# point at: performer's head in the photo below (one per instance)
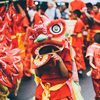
(97, 38)
(89, 7)
(42, 9)
(76, 14)
(96, 8)
(51, 4)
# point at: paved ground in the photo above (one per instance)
(27, 88)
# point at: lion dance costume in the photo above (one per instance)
(51, 86)
(10, 62)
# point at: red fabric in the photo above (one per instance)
(78, 41)
(94, 50)
(79, 59)
(96, 26)
(96, 85)
(38, 18)
(30, 3)
(19, 27)
(50, 73)
(77, 5)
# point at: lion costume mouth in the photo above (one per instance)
(47, 48)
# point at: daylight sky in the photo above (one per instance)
(93, 1)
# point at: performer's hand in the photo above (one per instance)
(95, 68)
(56, 56)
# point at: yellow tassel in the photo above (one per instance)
(37, 80)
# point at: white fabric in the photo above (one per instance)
(31, 13)
(58, 13)
(51, 13)
(67, 13)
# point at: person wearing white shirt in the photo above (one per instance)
(66, 13)
(32, 12)
(51, 12)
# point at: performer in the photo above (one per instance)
(77, 41)
(77, 4)
(53, 68)
(53, 62)
(93, 53)
(96, 26)
(88, 24)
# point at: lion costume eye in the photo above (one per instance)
(56, 27)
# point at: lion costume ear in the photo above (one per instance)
(56, 27)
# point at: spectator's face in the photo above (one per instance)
(89, 9)
(34, 7)
(95, 9)
(49, 5)
(60, 9)
(64, 7)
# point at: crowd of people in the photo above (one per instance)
(22, 22)
(86, 32)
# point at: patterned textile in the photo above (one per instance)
(96, 85)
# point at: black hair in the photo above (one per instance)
(89, 5)
(97, 38)
(97, 5)
(43, 7)
(77, 12)
(67, 4)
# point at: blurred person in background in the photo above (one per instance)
(32, 12)
(52, 12)
(66, 14)
(96, 26)
(77, 41)
(88, 24)
(77, 4)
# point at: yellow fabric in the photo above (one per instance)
(88, 36)
(79, 35)
(95, 31)
(20, 42)
(47, 89)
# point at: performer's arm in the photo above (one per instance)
(25, 40)
(21, 11)
(63, 69)
(90, 62)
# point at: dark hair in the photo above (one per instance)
(89, 5)
(77, 12)
(97, 5)
(67, 4)
(97, 38)
(43, 7)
